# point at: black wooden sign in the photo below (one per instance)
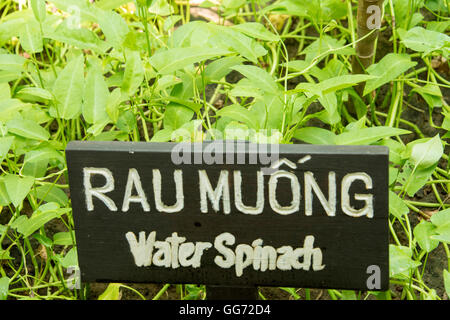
(231, 213)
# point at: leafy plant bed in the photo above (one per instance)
(266, 71)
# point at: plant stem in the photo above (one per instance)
(161, 292)
(369, 19)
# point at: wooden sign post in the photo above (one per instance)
(231, 214)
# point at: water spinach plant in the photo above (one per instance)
(323, 72)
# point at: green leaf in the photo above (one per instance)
(5, 145)
(4, 288)
(97, 128)
(7, 76)
(429, 89)
(38, 7)
(427, 154)
(389, 68)
(11, 28)
(225, 37)
(423, 40)
(446, 276)
(232, 4)
(163, 135)
(268, 112)
(36, 169)
(395, 150)
(325, 90)
(9, 108)
(266, 137)
(432, 94)
(51, 193)
(442, 222)
(43, 153)
(259, 77)
(329, 101)
(160, 7)
(397, 207)
(246, 88)
(191, 105)
(166, 82)
(333, 84)
(64, 238)
(31, 37)
(356, 125)
(33, 94)
(194, 292)
(96, 96)
(111, 4)
(325, 46)
(81, 38)
(77, 9)
(184, 35)
(219, 68)
(422, 233)
(343, 82)
(186, 89)
(18, 221)
(12, 62)
(171, 21)
(113, 27)
(45, 241)
(168, 61)
(115, 98)
(441, 218)
(112, 292)
(393, 173)
(176, 116)
(70, 259)
(256, 30)
(235, 131)
(188, 132)
(37, 114)
(27, 129)
(367, 136)
(348, 295)
(134, 72)
(239, 113)
(5, 91)
(439, 26)
(4, 255)
(314, 135)
(36, 161)
(126, 121)
(400, 262)
(299, 66)
(68, 89)
(110, 136)
(40, 217)
(412, 178)
(17, 187)
(4, 197)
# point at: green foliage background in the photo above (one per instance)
(273, 71)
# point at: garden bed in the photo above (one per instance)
(160, 70)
